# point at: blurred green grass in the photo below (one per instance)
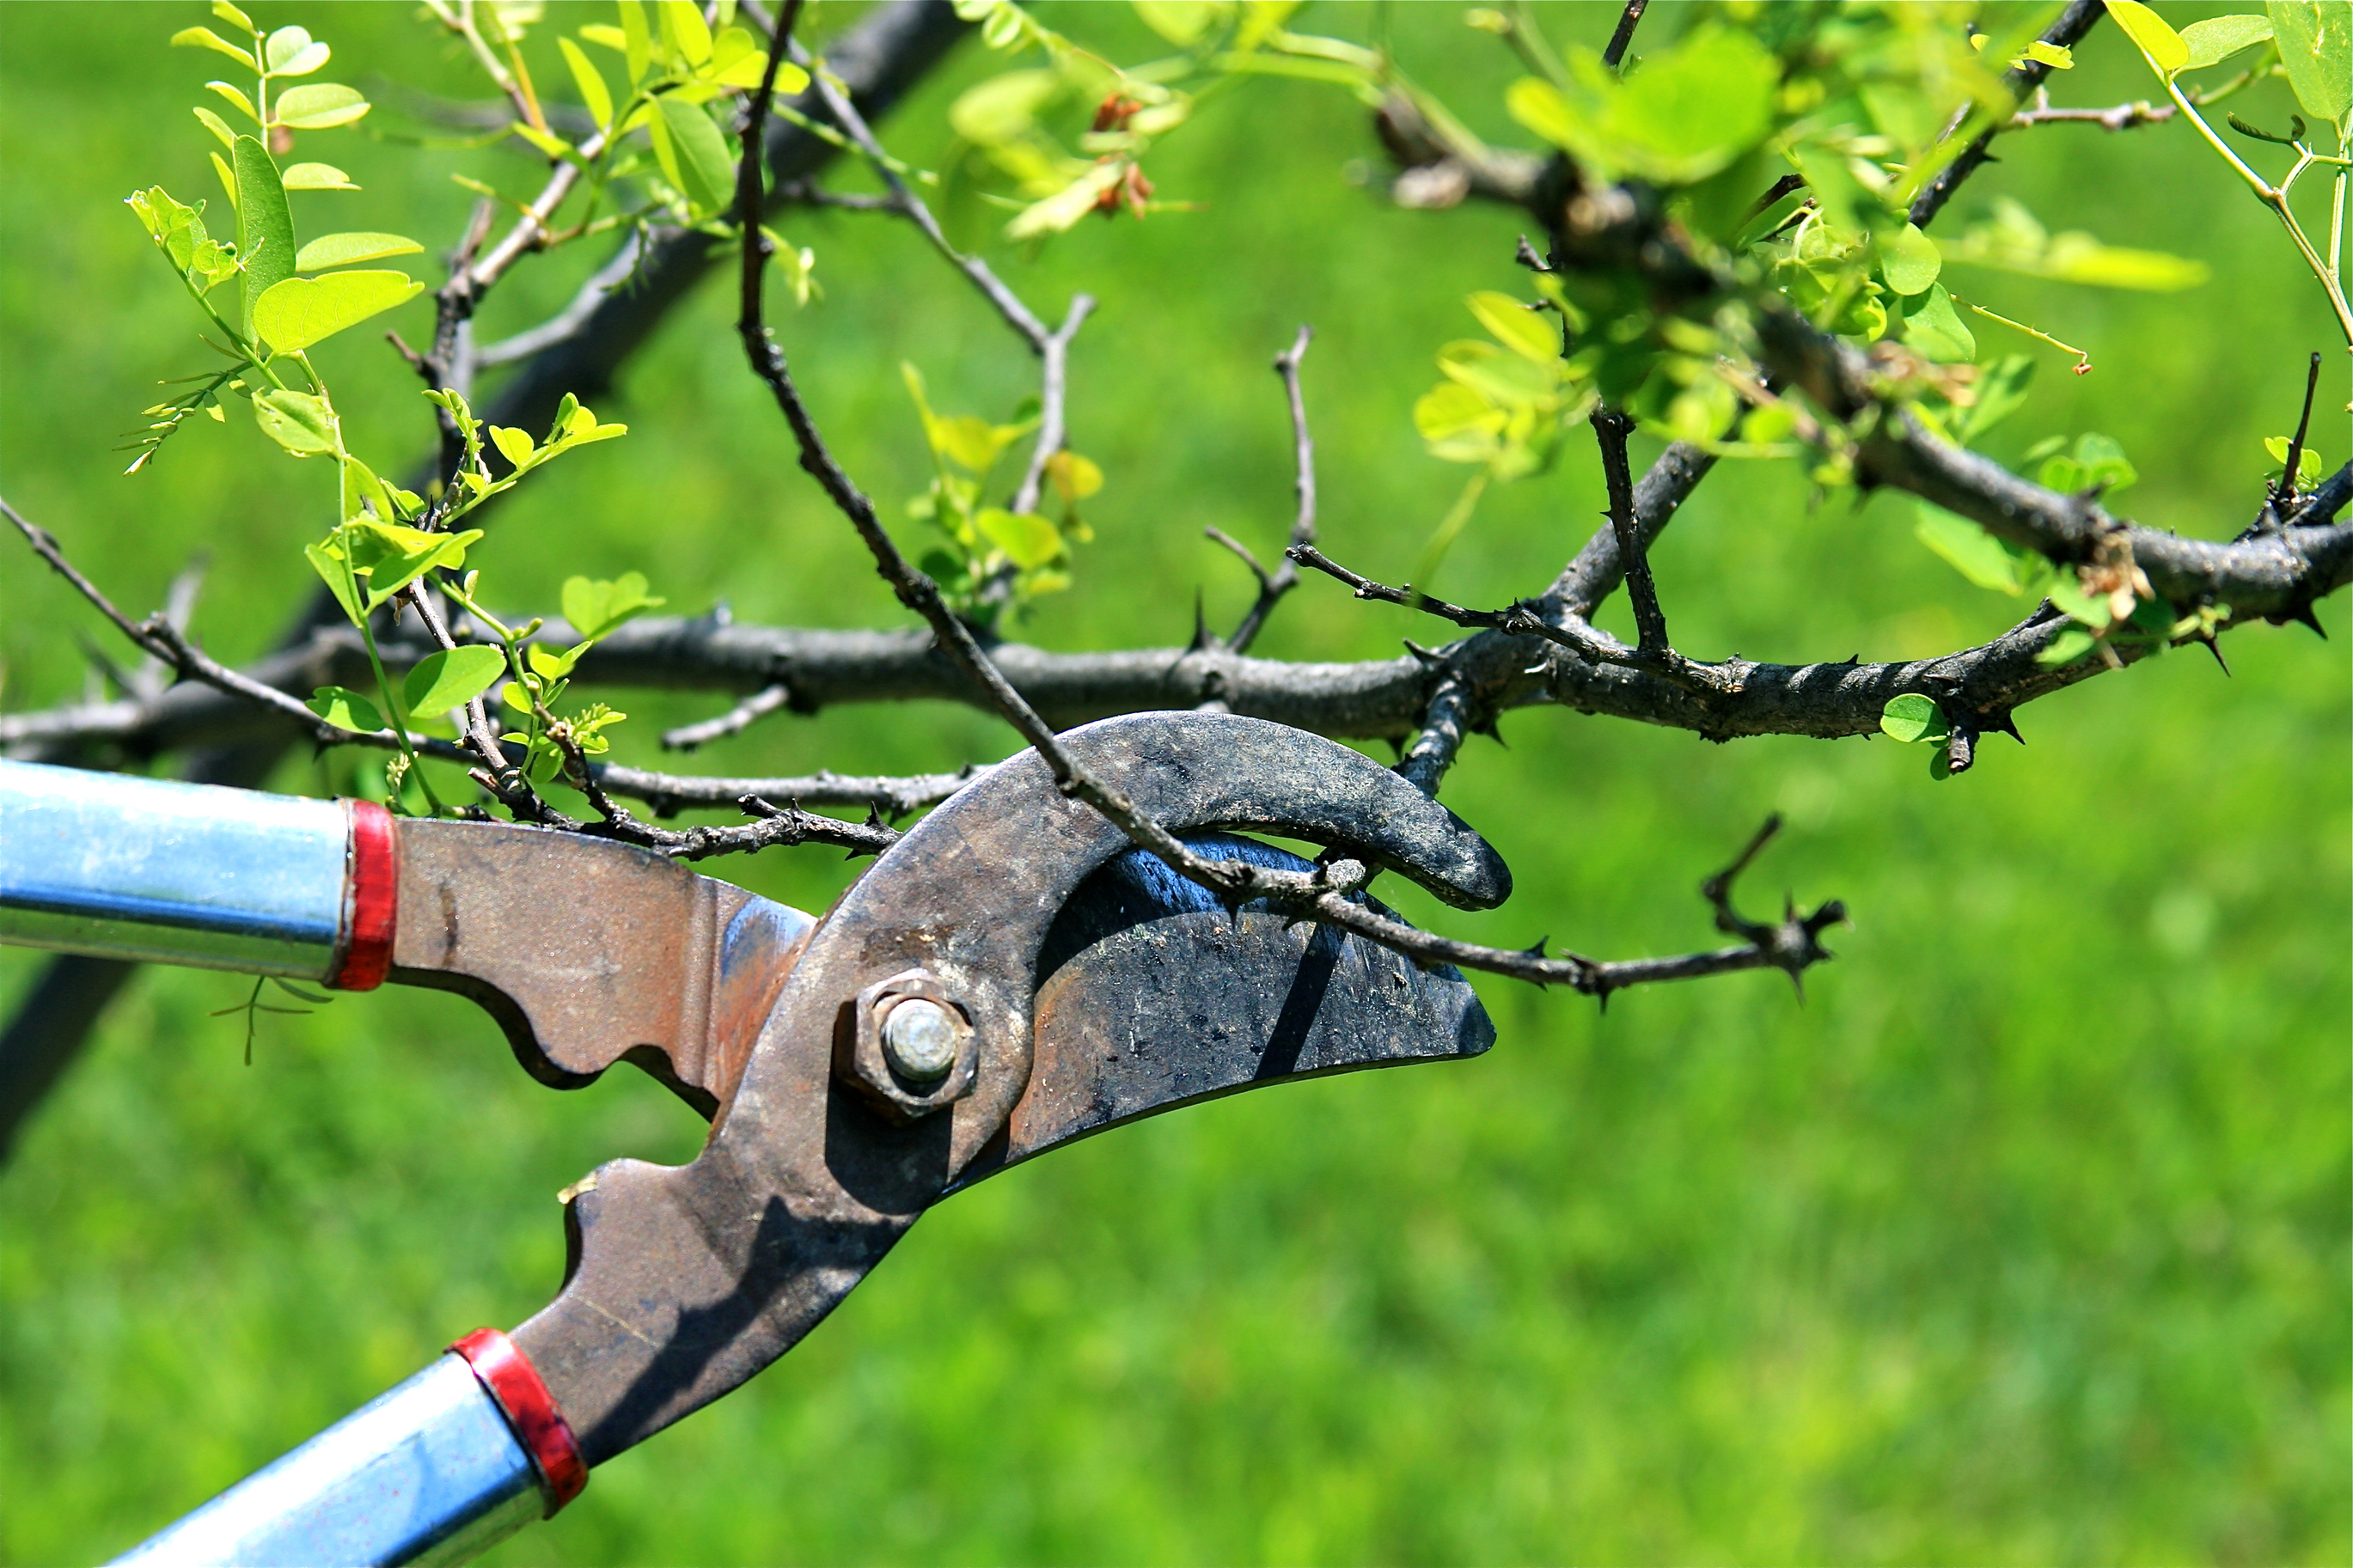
(2023, 1240)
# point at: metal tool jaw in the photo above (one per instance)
(1008, 977)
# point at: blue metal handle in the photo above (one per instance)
(427, 1473)
(174, 873)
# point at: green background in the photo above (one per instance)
(2022, 1240)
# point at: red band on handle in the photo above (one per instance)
(531, 1411)
(370, 897)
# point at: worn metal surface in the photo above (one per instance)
(588, 951)
(426, 1473)
(1152, 995)
(686, 1280)
(178, 873)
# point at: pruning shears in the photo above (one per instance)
(1007, 977)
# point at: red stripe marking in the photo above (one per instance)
(370, 897)
(531, 1411)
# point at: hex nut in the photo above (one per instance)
(907, 1046)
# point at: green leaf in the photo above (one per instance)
(1908, 259)
(205, 39)
(634, 44)
(327, 559)
(2315, 44)
(392, 555)
(2101, 460)
(706, 175)
(297, 421)
(1180, 21)
(2307, 461)
(345, 708)
(513, 444)
(290, 51)
(343, 249)
(451, 678)
(2066, 648)
(1451, 408)
(1516, 327)
(265, 228)
(1688, 112)
(301, 312)
(549, 145)
(2001, 392)
(997, 110)
(319, 105)
(1062, 210)
(2058, 57)
(1935, 330)
(215, 124)
(1971, 551)
(1502, 378)
(682, 25)
(589, 80)
(1027, 539)
(237, 99)
(317, 177)
(234, 18)
(362, 490)
(595, 606)
(2153, 36)
(2217, 38)
(1913, 717)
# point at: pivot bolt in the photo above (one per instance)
(920, 1040)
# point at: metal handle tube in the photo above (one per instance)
(446, 1466)
(179, 873)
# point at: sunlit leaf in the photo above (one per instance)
(292, 52)
(2217, 38)
(706, 173)
(319, 105)
(451, 678)
(1913, 717)
(295, 420)
(2152, 34)
(1027, 539)
(300, 311)
(343, 249)
(205, 39)
(1908, 259)
(317, 177)
(1516, 326)
(2316, 45)
(346, 710)
(591, 83)
(997, 110)
(595, 606)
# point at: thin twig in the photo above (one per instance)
(1615, 55)
(1271, 589)
(734, 722)
(1053, 394)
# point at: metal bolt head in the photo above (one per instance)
(920, 1040)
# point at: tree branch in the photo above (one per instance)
(2077, 20)
(1271, 588)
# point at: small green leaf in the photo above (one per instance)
(1934, 329)
(1914, 717)
(2316, 45)
(1027, 539)
(345, 708)
(682, 25)
(235, 99)
(1003, 107)
(234, 18)
(1940, 763)
(2065, 648)
(319, 105)
(265, 228)
(392, 555)
(2058, 57)
(317, 177)
(2101, 460)
(595, 606)
(290, 51)
(1908, 259)
(550, 144)
(636, 46)
(706, 175)
(1178, 21)
(2307, 461)
(1969, 550)
(301, 312)
(343, 249)
(1524, 332)
(215, 124)
(513, 444)
(295, 420)
(2217, 38)
(589, 80)
(327, 559)
(205, 39)
(2153, 34)
(451, 678)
